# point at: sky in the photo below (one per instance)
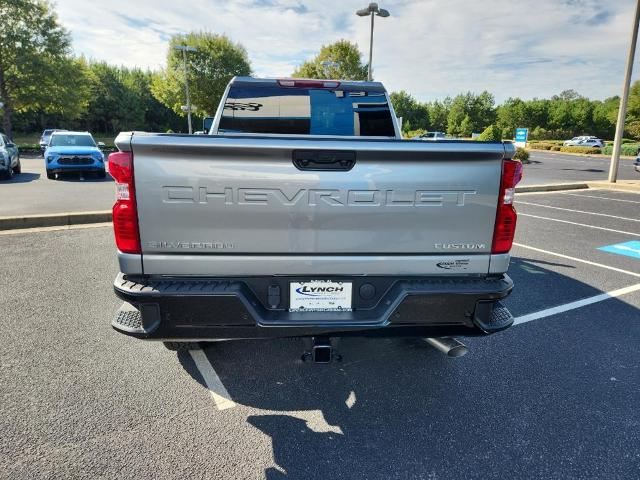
(430, 48)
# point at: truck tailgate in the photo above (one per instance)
(237, 195)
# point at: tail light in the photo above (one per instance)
(125, 213)
(506, 216)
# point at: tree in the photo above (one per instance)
(491, 134)
(343, 61)
(210, 69)
(34, 59)
(633, 128)
(438, 114)
(414, 114)
(633, 104)
(470, 113)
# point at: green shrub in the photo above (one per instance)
(491, 134)
(556, 148)
(522, 155)
(627, 149)
(585, 150)
(541, 145)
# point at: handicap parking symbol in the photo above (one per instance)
(630, 249)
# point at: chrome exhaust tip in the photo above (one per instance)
(451, 347)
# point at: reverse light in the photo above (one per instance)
(125, 212)
(506, 216)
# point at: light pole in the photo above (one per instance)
(184, 49)
(622, 111)
(372, 10)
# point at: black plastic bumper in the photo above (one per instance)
(78, 169)
(198, 309)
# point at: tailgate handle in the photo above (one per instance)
(324, 160)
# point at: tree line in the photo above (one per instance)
(42, 84)
(562, 116)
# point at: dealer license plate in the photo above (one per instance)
(319, 295)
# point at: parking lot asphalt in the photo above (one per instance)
(555, 396)
(31, 192)
(548, 168)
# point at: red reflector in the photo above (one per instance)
(125, 213)
(506, 216)
(308, 83)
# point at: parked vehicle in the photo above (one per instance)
(637, 162)
(304, 214)
(590, 142)
(576, 140)
(432, 136)
(74, 152)
(9, 158)
(46, 136)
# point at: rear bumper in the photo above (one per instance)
(200, 309)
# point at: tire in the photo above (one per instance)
(182, 346)
(102, 174)
(51, 175)
(18, 168)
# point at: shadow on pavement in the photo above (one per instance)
(24, 177)
(88, 177)
(537, 400)
(589, 170)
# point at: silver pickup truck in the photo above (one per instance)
(304, 214)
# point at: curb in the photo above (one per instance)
(620, 186)
(586, 155)
(54, 220)
(552, 187)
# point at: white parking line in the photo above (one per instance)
(601, 198)
(579, 211)
(580, 224)
(547, 312)
(588, 262)
(219, 393)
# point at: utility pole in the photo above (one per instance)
(371, 11)
(184, 49)
(622, 112)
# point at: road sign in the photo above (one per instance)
(522, 134)
(630, 249)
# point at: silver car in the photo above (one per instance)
(9, 158)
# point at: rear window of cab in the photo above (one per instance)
(306, 111)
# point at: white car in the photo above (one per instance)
(590, 142)
(432, 136)
(576, 140)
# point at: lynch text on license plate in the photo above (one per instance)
(319, 295)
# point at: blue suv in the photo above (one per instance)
(73, 152)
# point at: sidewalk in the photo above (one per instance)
(620, 185)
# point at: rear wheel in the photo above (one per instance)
(182, 346)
